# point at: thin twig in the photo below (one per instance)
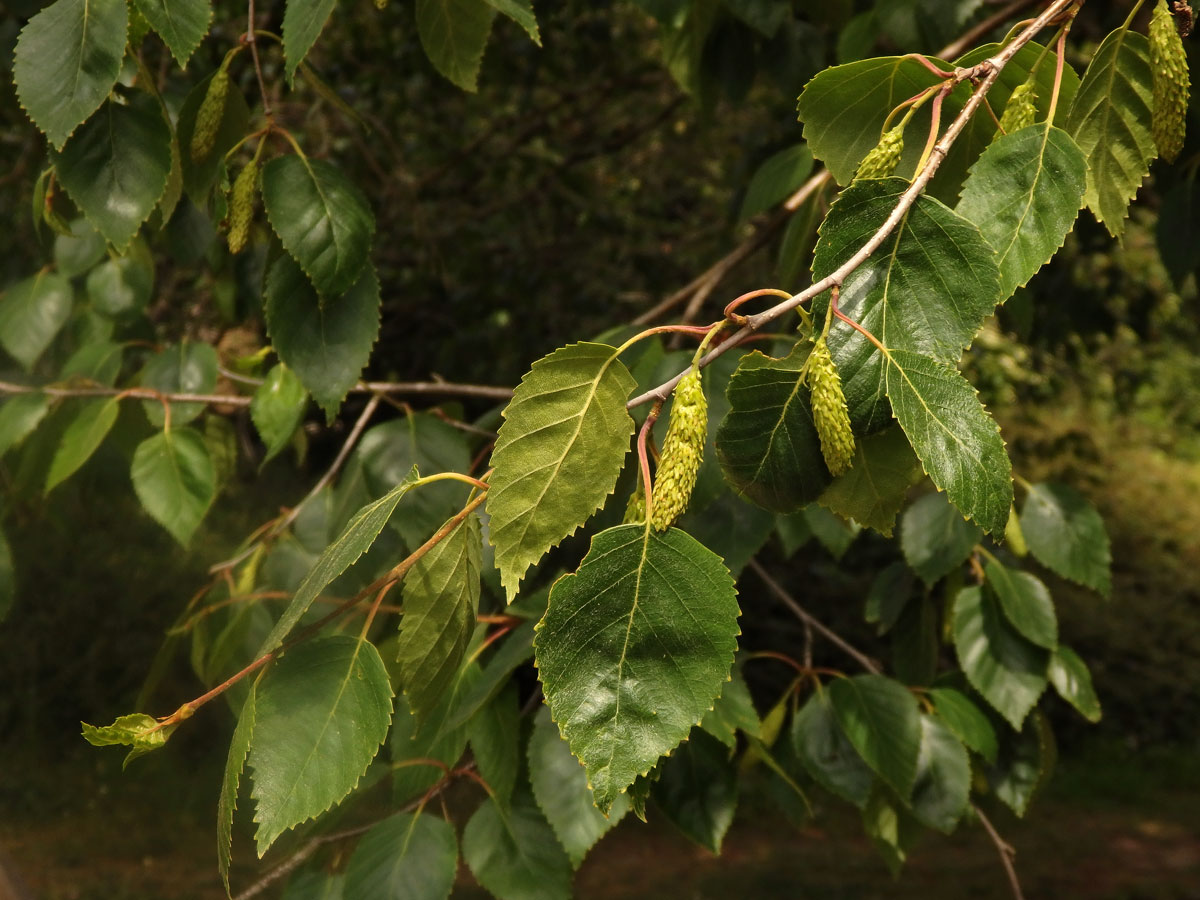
(133, 393)
(253, 42)
(812, 621)
(1006, 853)
(986, 73)
(968, 38)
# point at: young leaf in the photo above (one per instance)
(1026, 604)
(514, 855)
(827, 753)
(137, 730)
(733, 712)
(1006, 669)
(277, 408)
(116, 166)
(882, 720)
(892, 828)
(776, 179)
(328, 343)
(66, 61)
(32, 312)
(87, 430)
(935, 538)
(321, 713)
(1066, 535)
(697, 789)
(1025, 763)
(188, 367)
(322, 219)
(956, 440)
(1070, 676)
(558, 455)
(356, 538)
(20, 414)
(943, 784)
(494, 735)
(926, 290)
(560, 787)
(768, 444)
(875, 488)
(174, 478)
(1024, 193)
(441, 599)
(1110, 121)
(454, 34)
(966, 720)
(182, 24)
(521, 12)
(408, 856)
(239, 746)
(634, 648)
(303, 21)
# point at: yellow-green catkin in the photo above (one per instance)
(1014, 537)
(241, 206)
(635, 509)
(1168, 60)
(884, 156)
(829, 409)
(682, 452)
(208, 117)
(1020, 110)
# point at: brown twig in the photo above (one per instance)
(7, 387)
(251, 40)
(1006, 853)
(968, 38)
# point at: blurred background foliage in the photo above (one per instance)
(582, 183)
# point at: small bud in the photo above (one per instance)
(1021, 108)
(682, 453)
(241, 207)
(208, 117)
(829, 409)
(635, 509)
(881, 162)
(1168, 61)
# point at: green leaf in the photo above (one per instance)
(99, 361)
(832, 532)
(558, 455)
(137, 731)
(315, 883)
(322, 219)
(966, 720)
(174, 479)
(731, 528)
(891, 828)
(182, 24)
(881, 718)
(199, 177)
(514, 855)
(928, 289)
(1006, 669)
(189, 367)
(916, 643)
(454, 34)
(697, 789)
(521, 12)
(277, 408)
(634, 648)
(888, 596)
(560, 786)
(32, 312)
(733, 712)
(943, 784)
(827, 753)
(303, 22)
(326, 343)
(239, 746)
(77, 252)
(512, 652)
(935, 538)
(1024, 193)
(20, 414)
(122, 287)
(764, 16)
(66, 61)
(408, 856)
(439, 739)
(321, 713)
(1110, 121)
(1026, 604)
(777, 178)
(81, 439)
(495, 740)
(767, 444)
(1070, 676)
(115, 167)
(956, 440)
(441, 600)
(873, 490)
(1066, 535)
(356, 538)
(1025, 763)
